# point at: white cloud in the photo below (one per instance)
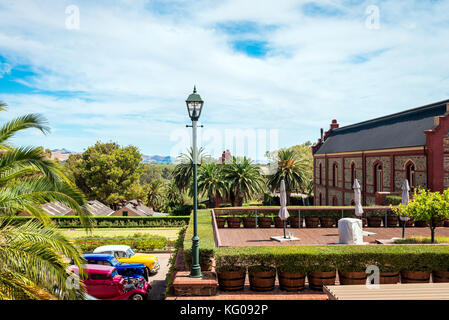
(130, 69)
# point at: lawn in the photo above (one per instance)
(170, 233)
(421, 240)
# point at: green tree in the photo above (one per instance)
(243, 178)
(183, 172)
(33, 256)
(431, 207)
(174, 195)
(211, 182)
(155, 196)
(291, 169)
(107, 171)
(151, 172)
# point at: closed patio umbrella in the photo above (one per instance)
(405, 199)
(357, 198)
(283, 213)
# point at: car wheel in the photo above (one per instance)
(137, 296)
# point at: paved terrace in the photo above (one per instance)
(239, 237)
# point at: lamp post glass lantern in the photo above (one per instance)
(194, 106)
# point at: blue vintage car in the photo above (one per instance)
(127, 270)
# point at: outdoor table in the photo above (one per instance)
(401, 291)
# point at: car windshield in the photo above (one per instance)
(114, 261)
(130, 252)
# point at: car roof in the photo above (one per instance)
(93, 268)
(112, 248)
(98, 256)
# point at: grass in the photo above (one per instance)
(421, 240)
(170, 233)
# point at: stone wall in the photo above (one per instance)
(358, 171)
(386, 166)
(339, 162)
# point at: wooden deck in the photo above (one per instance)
(409, 291)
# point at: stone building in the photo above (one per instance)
(381, 153)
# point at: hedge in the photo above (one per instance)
(114, 221)
(316, 258)
(309, 211)
(137, 241)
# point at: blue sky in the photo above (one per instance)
(287, 67)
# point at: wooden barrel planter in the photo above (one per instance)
(348, 278)
(440, 276)
(234, 222)
(249, 222)
(291, 281)
(415, 276)
(388, 277)
(294, 222)
(232, 280)
(264, 222)
(262, 280)
(312, 222)
(328, 222)
(392, 221)
(220, 222)
(374, 222)
(421, 224)
(278, 223)
(319, 278)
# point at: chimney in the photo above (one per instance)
(321, 134)
(139, 202)
(334, 124)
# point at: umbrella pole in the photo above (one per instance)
(284, 231)
(403, 229)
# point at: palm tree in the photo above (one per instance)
(33, 255)
(243, 178)
(173, 193)
(291, 169)
(183, 172)
(155, 194)
(211, 182)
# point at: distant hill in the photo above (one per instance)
(63, 154)
(158, 159)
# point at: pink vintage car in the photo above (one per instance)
(103, 282)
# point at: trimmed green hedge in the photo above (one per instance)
(113, 222)
(137, 241)
(316, 258)
(348, 212)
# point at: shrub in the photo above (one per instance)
(225, 205)
(137, 241)
(183, 210)
(393, 200)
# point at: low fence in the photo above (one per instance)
(305, 212)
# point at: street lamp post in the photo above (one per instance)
(194, 106)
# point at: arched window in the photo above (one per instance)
(410, 174)
(334, 174)
(335, 201)
(320, 173)
(353, 173)
(378, 177)
(320, 200)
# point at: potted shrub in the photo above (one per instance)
(291, 277)
(415, 276)
(249, 221)
(233, 222)
(427, 207)
(352, 271)
(231, 277)
(328, 222)
(264, 222)
(325, 276)
(279, 223)
(375, 219)
(261, 278)
(206, 263)
(220, 222)
(312, 220)
(392, 219)
(294, 222)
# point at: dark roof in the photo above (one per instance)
(99, 209)
(398, 130)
